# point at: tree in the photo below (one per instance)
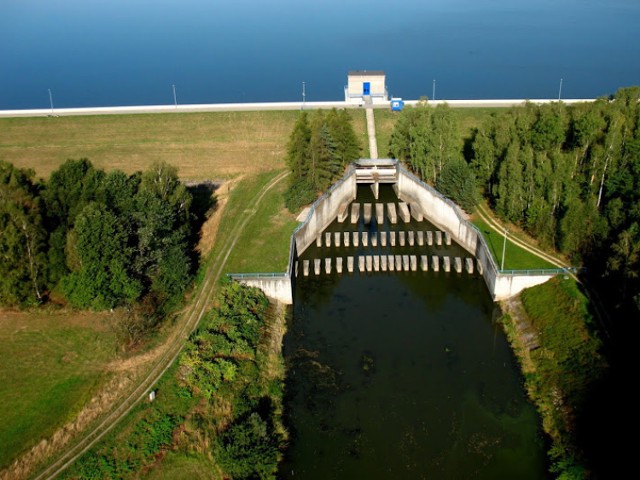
(298, 148)
(101, 279)
(458, 182)
(22, 238)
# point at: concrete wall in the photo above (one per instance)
(446, 215)
(277, 288)
(325, 210)
(355, 84)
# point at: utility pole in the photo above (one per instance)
(560, 90)
(175, 98)
(433, 94)
(504, 248)
(50, 100)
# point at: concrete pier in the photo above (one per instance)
(420, 238)
(413, 262)
(361, 263)
(457, 264)
(343, 212)
(376, 263)
(296, 271)
(383, 263)
(392, 238)
(429, 238)
(305, 268)
(327, 265)
(356, 239)
(392, 263)
(404, 212)
(424, 263)
(401, 238)
(399, 263)
(374, 239)
(350, 264)
(369, 260)
(346, 236)
(435, 263)
(365, 239)
(327, 239)
(336, 239)
(316, 266)
(355, 212)
(405, 263)
(391, 212)
(468, 264)
(319, 240)
(438, 238)
(339, 265)
(375, 188)
(383, 239)
(411, 237)
(416, 212)
(479, 266)
(447, 238)
(367, 213)
(380, 214)
(446, 263)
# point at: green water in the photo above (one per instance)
(403, 375)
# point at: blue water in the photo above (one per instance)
(127, 52)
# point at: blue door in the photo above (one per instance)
(366, 88)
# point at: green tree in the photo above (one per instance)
(298, 148)
(102, 279)
(458, 182)
(22, 238)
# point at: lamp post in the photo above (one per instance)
(304, 95)
(504, 248)
(433, 94)
(50, 100)
(560, 90)
(175, 98)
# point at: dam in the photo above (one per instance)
(394, 229)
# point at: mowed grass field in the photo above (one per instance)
(52, 363)
(215, 146)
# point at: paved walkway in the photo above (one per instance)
(371, 131)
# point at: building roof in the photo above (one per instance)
(367, 73)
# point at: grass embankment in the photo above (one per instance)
(52, 363)
(263, 245)
(516, 258)
(553, 337)
(217, 145)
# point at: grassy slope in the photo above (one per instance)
(561, 370)
(48, 372)
(515, 257)
(203, 145)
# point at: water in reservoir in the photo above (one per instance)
(403, 375)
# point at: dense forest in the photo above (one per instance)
(95, 239)
(320, 147)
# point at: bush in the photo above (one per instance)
(298, 194)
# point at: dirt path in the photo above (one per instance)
(159, 360)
